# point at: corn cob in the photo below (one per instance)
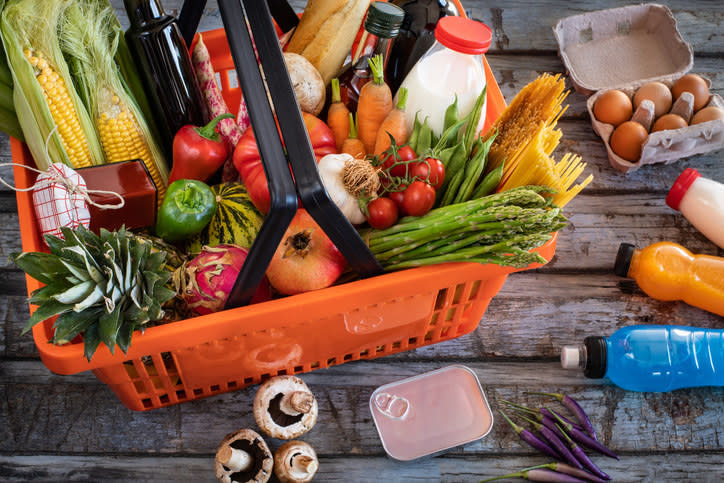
(55, 93)
(54, 121)
(90, 36)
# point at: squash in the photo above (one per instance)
(236, 220)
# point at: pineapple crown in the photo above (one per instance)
(101, 286)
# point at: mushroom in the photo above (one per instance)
(284, 407)
(242, 457)
(295, 462)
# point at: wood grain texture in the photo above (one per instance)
(62, 428)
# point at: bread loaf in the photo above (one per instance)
(326, 32)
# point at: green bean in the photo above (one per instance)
(446, 154)
(473, 170)
(414, 135)
(451, 114)
(489, 183)
(449, 136)
(471, 129)
(452, 188)
(424, 140)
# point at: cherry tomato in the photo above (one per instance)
(418, 198)
(405, 153)
(431, 167)
(382, 213)
(397, 197)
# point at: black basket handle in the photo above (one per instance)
(243, 19)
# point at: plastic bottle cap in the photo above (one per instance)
(623, 259)
(570, 357)
(463, 34)
(680, 187)
(384, 19)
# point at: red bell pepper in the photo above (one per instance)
(198, 152)
(248, 161)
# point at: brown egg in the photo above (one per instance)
(668, 121)
(694, 84)
(627, 140)
(613, 107)
(710, 113)
(658, 93)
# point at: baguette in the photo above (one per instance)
(326, 32)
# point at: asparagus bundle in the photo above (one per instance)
(501, 228)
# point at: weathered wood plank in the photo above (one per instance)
(84, 416)
(678, 467)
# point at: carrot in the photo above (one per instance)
(338, 116)
(352, 145)
(373, 106)
(395, 125)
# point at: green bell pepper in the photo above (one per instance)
(186, 209)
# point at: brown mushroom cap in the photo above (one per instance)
(295, 462)
(242, 457)
(284, 407)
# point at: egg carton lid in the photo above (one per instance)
(622, 46)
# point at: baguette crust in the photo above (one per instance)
(326, 32)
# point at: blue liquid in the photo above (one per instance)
(660, 358)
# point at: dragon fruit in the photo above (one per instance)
(205, 282)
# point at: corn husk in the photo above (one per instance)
(33, 24)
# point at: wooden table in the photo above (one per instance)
(57, 428)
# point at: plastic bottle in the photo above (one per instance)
(382, 23)
(416, 36)
(164, 63)
(701, 201)
(656, 358)
(668, 271)
(453, 65)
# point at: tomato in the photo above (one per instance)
(397, 197)
(430, 170)
(405, 153)
(248, 161)
(382, 213)
(418, 198)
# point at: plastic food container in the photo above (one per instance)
(429, 413)
(235, 348)
(625, 48)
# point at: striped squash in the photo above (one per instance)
(236, 221)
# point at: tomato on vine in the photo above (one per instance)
(395, 162)
(431, 170)
(382, 213)
(418, 198)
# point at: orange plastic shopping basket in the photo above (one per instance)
(235, 348)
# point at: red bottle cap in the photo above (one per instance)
(680, 187)
(463, 34)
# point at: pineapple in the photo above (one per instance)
(103, 287)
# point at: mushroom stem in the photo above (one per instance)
(304, 464)
(297, 402)
(235, 459)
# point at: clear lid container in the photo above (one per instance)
(430, 412)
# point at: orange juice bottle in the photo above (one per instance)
(668, 271)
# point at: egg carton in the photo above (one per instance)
(625, 48)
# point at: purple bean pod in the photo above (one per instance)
(547, 412)
(570, 470)
(575, 408)
(583, 457)
(583, 438)
(560, 446)
(532, 439)
(541, 474)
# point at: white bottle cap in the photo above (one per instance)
(570, 357)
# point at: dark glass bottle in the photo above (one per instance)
(417, 34)
(382, 22)
(164, 63)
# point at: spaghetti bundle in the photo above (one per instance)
(526, 138)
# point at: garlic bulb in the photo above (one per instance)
(347, 179)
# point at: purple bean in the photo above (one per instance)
(584, 439)
(556, 442)
(539, 474)
(532, 439)
(575, 408)
(547, 412)
(570, 470)
(583, 457)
